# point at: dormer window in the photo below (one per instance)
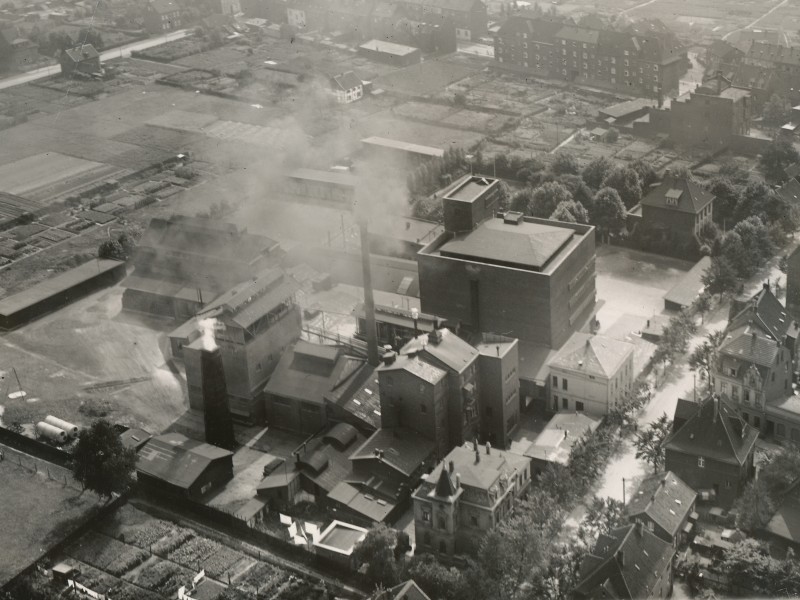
(673, 196)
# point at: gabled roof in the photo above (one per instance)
(626, 563)
(724, 50)
(540, 29)
(765, 313)
(749, 344)
(678, 194)
(346, 81)
(404, 591)
(785, 523)
(715, 431)
(308, 371)
(177, 459)
(592, 354)
(81, 53)
(763, 51)
(663, 497)
(417, 367)
(402, 449)
(444, 347)
(482, 472)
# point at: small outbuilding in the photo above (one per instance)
(83, 60)
(397, 55)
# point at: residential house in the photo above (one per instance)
(254, 323)
(162, 15)
(347, 87)
(629, 563)
(295, 393)
(723, 56)
(771, 68)
(675, 211)
(664, 504)
(466, 495)
(645, 58)
(81, 60)
(753, 367)
(553, 445)
(408, 590)
(711, 115)
(16, 51)
(783, 529)
(712, 451)
(469, 16)
(591, 374)
(793, 284)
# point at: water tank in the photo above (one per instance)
(51, 432)
(72, 430)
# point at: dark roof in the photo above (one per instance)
(685, 409)
(360, 398)
(445, 488)
(341, 434)
(775, 53)
(625, 563)
(690, 285)
(134, 438)
(177, 459)
(686, 195)
(715, 431)
(57, 285)
(450, 350)
(748, 344)
(480, 475)
(307, 372)
(724, 50)
(578, 34)
(765, 312)
(361, 502)
(171, 289)
(403, 591)
(417, 367)
(785, 523)
(541, 29)
(346, 81)
(403, 449)
(663, 497)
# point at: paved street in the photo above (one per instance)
(120, 52)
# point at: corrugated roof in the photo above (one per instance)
(177, 459)
(715, 431)
(663, 497)
(592, 354)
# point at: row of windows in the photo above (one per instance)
(565, 404)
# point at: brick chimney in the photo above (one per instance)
(216, 413)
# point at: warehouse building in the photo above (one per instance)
(51, 294)
(390, 53)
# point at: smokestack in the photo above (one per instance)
(216, 414)
(369, 300)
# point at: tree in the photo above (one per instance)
(756, 242)
(376, 550)
(612, 136)
(751, 200)
(626, 182)
(101, 463)
(435, 579)
(111, 249)
(596, 171)
(564, 162)
(570, 212)
(546, 198)
(577, 187)
(607, 212)
(720, 277)
(602, 516)
(777, 110)
(649, 443)
(727, 197)
(91, 36)
(521, 201)
(647, 174)
(778, 155)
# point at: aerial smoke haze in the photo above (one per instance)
(207, 328)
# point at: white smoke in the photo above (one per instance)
(207, 328)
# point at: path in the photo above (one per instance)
(120, 52)
(766, 14)
(627, 10)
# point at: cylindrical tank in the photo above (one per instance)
(72, 430)
(51, 432)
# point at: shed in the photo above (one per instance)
(688, 288)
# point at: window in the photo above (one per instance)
(650, 525)
(565, 403)
(441, 523)
(728, 484)
(578, 405)
(655, 67)
(564, 383)
(426, 515)
(555, 403)
(757, 422)
(701, 462)
(555, 381)
(626, 53)
(732, 372)
(474, 520)
(613, 71)
(423, 409)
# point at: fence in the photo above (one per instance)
(34, 447)
(53, 472)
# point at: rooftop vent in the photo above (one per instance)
(513, 217)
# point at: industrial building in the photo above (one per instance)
(254, 323)
(390, 53)
(465, 496)
(53, 293)
(330, 188)
(176, 465)
(413, 153)
(183, 263)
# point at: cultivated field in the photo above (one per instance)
(35, 513)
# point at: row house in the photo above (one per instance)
(753, 367)
(646, 59)
(465, 496)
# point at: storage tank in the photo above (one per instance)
(51, 432)
(72, 430)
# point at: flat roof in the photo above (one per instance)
(334, 177)
(470, 189)
(56, 285)
(526, 245)
(341, 537)
(388, 47)
(405, 146)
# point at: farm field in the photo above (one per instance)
(36, 513)
(132, 555)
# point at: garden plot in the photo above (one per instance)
(172, 139)
(383, 124)
(225, 60)
(160, 576)
(425, 78)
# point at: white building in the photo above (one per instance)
(591, 373)
(347, 87)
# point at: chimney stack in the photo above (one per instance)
(451, 467)
(488, 448)
(216, 414)
(369, 300)
(477, 456)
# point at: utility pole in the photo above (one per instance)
(623, 491)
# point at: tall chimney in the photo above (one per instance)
(216, 414)
(369, 300)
